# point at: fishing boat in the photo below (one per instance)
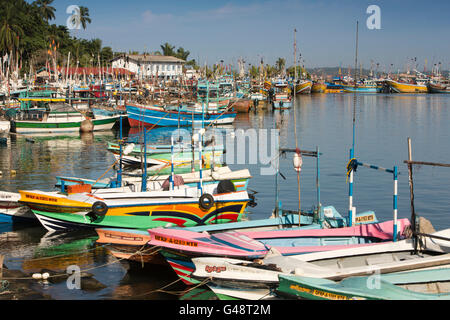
(240, 179)
(242, 277)
(257, 244)
(241, 105)
(407, 87)
(318, 87)
(11, 210)
(282, 98)
(333, 88)
(366, 86)
(161, 156)
(303, 87)
(439, 87)
(128, 242)
(154, 116)
(58, 118)
(413, 285)
(113, 208)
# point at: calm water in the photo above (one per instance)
(383, 124)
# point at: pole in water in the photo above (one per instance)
(350, 194)
(144, 169)
(411, 191)
(119, 172)
(171, 174)
(395, 198)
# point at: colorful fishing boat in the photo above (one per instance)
(282, 97)
(334, 88)
(129, 241)
(412, 285)
(162, 155)
(439, 87)
(11, 210)
(58, 118)
(366, 86)
(303, 87)
(182, 206)
(250, 245)
(407, 87)
(241, 276)
(153, 116)
(318, 87)
(240, 179)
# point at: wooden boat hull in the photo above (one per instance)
(364, 288)
(436, 88)
(361, 89)
(137, 210)
(318, 88)
(406, 87)
(303, 88)
(139, 116)
(242, 105)
(29, 127)
(11, 210)
(385, 258)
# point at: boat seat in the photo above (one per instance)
(380, 259)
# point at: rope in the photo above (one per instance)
(180, 293)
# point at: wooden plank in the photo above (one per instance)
(1, 265)
(424, 163)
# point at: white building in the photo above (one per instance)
(147, 66)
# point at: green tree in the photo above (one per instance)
(10, 30)
(167, 49)
(254, 72)
(106, 54)
(182, 54)
(280, 64)
(46, 11)
(84, 17)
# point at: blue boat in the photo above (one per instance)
(150, 116)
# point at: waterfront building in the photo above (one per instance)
(150, 66)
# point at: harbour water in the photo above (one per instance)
(382, 125)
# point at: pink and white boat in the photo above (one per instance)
(180, 246)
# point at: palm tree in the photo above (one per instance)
(47, 12)
(182, 54)
(167, 49)
(10, 31)
(280, 64)
(84, 16)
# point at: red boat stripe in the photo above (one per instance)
(179, 266)
(230, 216)
(178, 222)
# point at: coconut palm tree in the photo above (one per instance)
(182, 54)
(280, 64)
(47, 12)
(10, 30)
(84, 17)
(167, 49)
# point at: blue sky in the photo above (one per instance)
(227, 30)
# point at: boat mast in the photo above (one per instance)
(352, 150)
(297, 156)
